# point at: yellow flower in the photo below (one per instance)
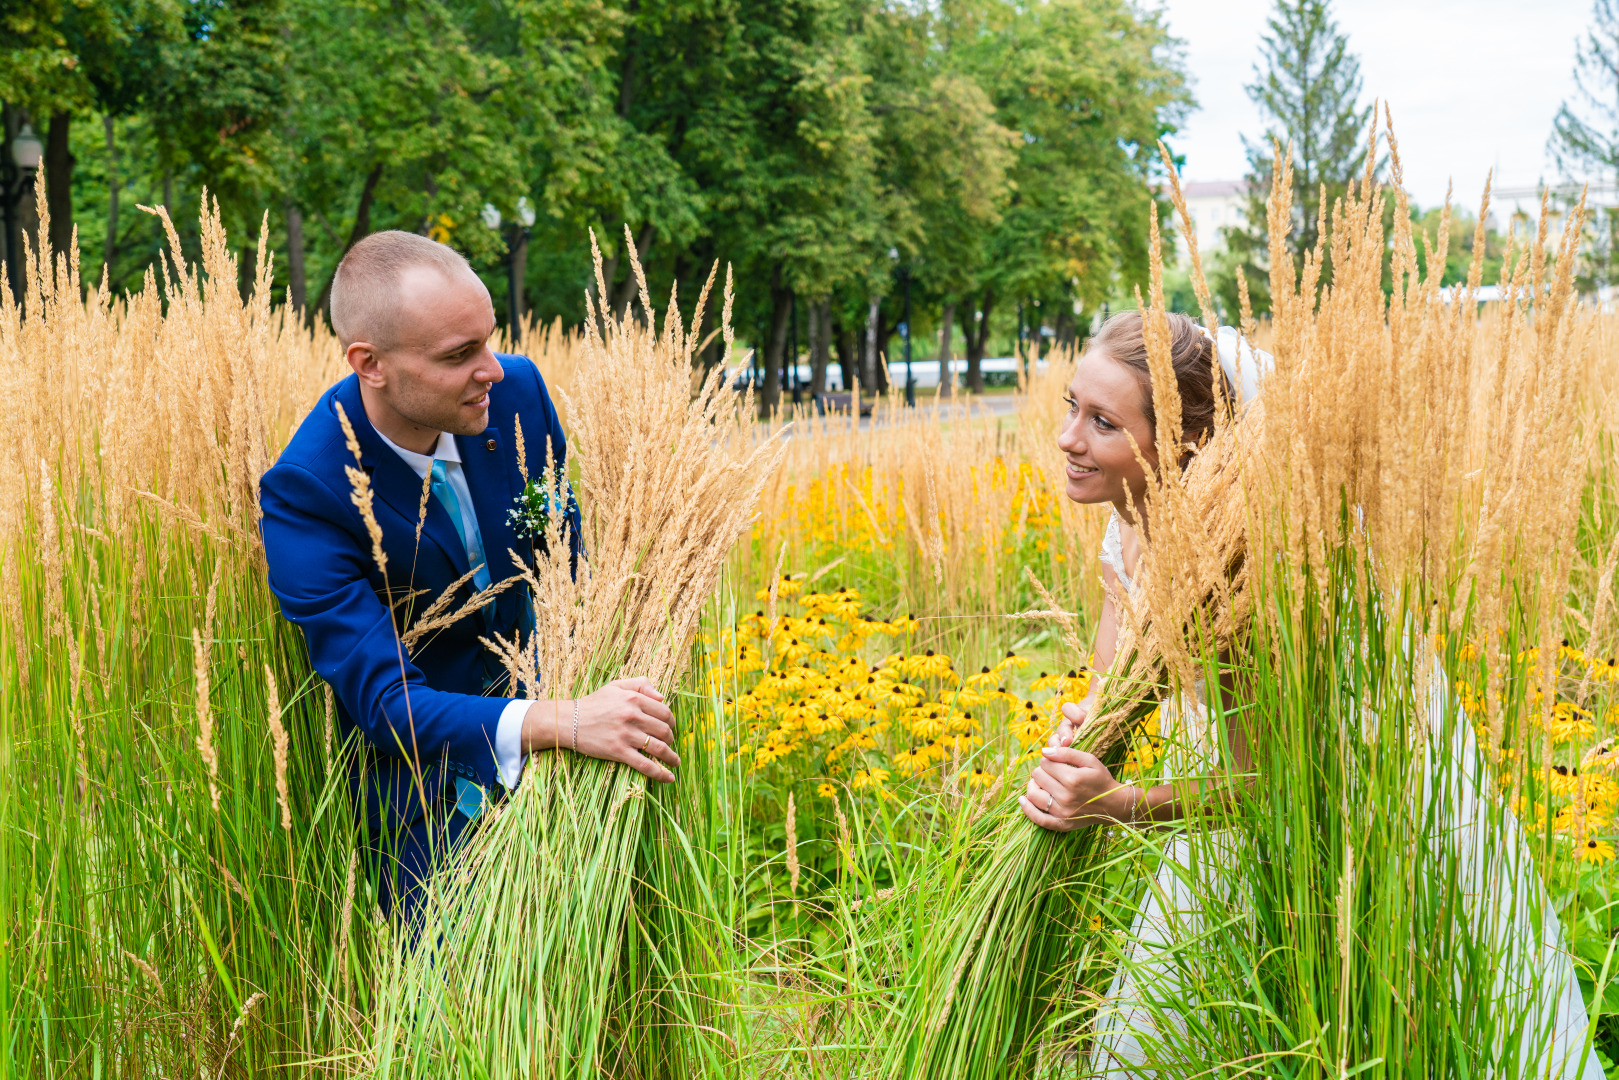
(931, 665)
(1565, 651)
(985, 677)
(1075, 685)
(826, 791)
(1011, 662)
(958, 744)
(967, 699)
(785, 587)
(927, 723)
(1563, 779)
(1595, 851)
(1047, 682)
(1029, 730)
(976, 778)
(904, 625)
(864, 778)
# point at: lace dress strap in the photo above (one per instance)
(1112, 552)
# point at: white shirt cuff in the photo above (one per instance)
(509, 743)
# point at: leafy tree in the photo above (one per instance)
(1585, 135)
(1308, 91)
(1089, 86)
(60, 59)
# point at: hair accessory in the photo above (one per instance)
(1244, 365)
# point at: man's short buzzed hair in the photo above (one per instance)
(365, 290)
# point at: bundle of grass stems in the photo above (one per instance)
(1348, 893)
(520, 970)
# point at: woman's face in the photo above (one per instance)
(1105, 400)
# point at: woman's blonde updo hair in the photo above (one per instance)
(1191, 351)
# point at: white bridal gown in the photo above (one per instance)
(1504, 900)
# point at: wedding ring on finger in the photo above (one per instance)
(1050, 801)
(646, 744)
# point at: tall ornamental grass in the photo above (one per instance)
(178, 884)
(518, 971)
(1402, 470)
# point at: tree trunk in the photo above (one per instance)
(781, 306)
(109, 250)
(59, 182)
(296, 282)
(868, 360)
(947, 378)
(820, 345)
(975, 332)
(244, 271)
(848, 350)
(517, 271)
(884, 332)
(362, 228)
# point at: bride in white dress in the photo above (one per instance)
(1504, 904)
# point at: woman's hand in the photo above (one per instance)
(625, 721)
(1070, 789)
(1074, 715)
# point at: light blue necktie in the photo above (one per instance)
(469, 796)
(473, 545)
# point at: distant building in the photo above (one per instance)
(1214, 205)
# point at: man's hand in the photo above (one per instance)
(1071, 789)
(625, 721)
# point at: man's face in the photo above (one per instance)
(437, 372)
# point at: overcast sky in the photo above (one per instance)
(1473, 84)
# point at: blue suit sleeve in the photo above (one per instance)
(319, 569)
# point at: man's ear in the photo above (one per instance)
(362, 357)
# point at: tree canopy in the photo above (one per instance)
(981, 155)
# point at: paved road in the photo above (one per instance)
(996, 405)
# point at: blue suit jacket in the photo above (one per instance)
(436, 707)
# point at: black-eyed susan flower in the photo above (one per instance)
(1076, 684)
(826, 790)
(1011, 662)
(984, 678)
(1595, 851)
(932, 665)
(873, 778)
(908, 762)
(976, 777)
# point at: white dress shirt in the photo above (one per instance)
(509, 731)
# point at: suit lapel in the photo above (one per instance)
(396, 483)
(483, 459)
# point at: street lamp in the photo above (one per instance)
(516, 258)
(517, 265)
(17, 180)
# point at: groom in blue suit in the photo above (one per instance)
(434, 414)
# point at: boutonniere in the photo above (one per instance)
(539, 503)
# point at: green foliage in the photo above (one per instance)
(996, 148)
(1308, 91)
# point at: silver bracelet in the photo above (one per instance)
(576, 725)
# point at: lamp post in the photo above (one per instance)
(517, 265)
(17, 172)
(516, 259)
